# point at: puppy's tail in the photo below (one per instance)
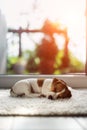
(12, 93)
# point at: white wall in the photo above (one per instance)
(3, 44)
(74, 81)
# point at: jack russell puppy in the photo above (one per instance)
(50, 88)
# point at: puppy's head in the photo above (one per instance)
(61, 88)
(58, 85)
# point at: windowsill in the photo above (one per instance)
(74, 81)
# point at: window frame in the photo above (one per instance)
(74, 81)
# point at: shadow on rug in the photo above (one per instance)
(15, 106)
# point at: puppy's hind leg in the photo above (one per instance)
(32, 95)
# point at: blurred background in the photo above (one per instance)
(42, 36)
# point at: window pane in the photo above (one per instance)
(43, 36)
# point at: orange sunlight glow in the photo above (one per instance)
(71, 13)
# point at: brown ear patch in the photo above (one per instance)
(40, 82)
(55, 80)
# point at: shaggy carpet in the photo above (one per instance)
(12, 106)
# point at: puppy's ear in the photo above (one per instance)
(55, 80)
(63, 82)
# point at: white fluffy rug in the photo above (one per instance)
(76, 105)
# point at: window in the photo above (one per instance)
(46, 37)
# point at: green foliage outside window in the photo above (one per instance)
(47, 58)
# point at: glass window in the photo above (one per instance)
(43, 36)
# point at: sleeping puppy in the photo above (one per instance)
(49, 88)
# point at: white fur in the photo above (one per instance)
(24, 86)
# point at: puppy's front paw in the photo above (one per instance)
(42, 95)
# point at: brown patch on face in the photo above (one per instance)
(58, 85)
(55, 80)
(40, 82)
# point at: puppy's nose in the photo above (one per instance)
(50, 97)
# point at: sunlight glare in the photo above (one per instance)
(71, 13)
